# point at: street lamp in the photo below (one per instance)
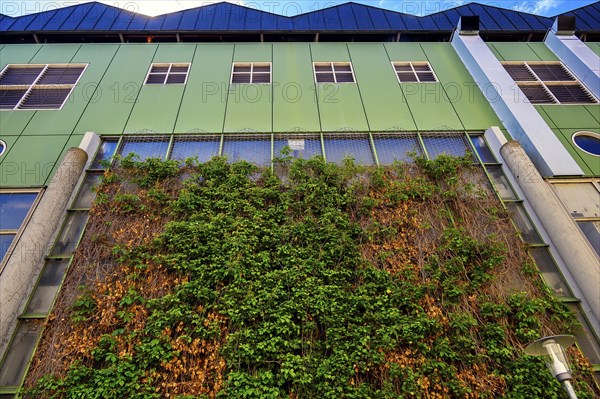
(553, 350)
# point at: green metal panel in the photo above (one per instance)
(543, 51)
(594, 46)
(588, 163)
(31, 160)
(340, 107)
(496, 52)
(460, 89)
(510, 51)
(63, 121)
(294, 97)
(253, 52)
(73, 141)
(157, 106)
(570, 116)
(382, 99)
(546, 117)
(405, 52)
(13, 123)
(10, 142)
(249, 106)
(430, 107)
(205, 98)
(55, 53)
(595, 111)
(118, 90)
(18, 53)
(329, 52)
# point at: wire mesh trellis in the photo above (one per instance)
(450, 143)
(355, 146)
(254, 148)
(203, 148)
(393, 147)
(300, 145)
(144, 146)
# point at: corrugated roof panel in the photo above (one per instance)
(347, 18)
(332, 19)
(252, 20)
(172, 21)
(442, 20)
(283, 23)
(21, 23)
(155, 23)
(532, 21)
(122, 21)
(237, 18)
(590, 22)
(379, 20)
(41, 20)
(223, 13)
(412, 22)
(188, 19)
(428, 23)
(270, 22)
(489, 20)
(205, 18)
(5, 22)
(317, 21)
(138, 22)
(59, 18)
(396, 20)
(78, 15)
(108, 18)
(301, 22)
(363, 19)
(92, 17)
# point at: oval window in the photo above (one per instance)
(2, 147)
(588, 142)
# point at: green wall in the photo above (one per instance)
(111, 98)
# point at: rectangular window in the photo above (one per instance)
(168, 74)
(255, 149)
(355, 146)
(143, 148)
(38, 87)
(298, 146)
(333, 72)
(396, 147)
(548, 83)
(15, 207)
(203, 148)
(251, 72)
(410, 72)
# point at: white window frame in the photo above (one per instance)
(251, 64)
(170, 65)
(332, 64)
(34, 85)
(546, 83)
(412, 67)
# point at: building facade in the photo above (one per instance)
(346, 81)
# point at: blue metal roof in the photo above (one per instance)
(226, 17)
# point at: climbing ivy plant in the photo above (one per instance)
(223, 280)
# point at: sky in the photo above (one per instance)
(15, 8)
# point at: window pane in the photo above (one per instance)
(551, 72)
(86, 194)
(337, 148)
(519, 215)
(550, 272)
(44, 293)
(105, 153)
(482, 149)
(70, 233)
(14, 208)
(61, 75)
(536, 94)
(10, 98)
(455, 146)
(501, 183)
(571, 94)
(300, 146)
(20, 75)
(586, 340)
(45, 98)
(146, 149)
(255, 149)
(176, 78)
(344, 77)
(325, 77)
(202, 148)
(5, 241)
(592, 232)
(392, 148)
(18, 353)
(156, 78)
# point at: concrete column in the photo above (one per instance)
(573, 247)
(24, 265)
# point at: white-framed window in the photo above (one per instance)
(251, 72)
(414, 72)
(167, 73)
(333, 72)
(548, 83)
(38, 86)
